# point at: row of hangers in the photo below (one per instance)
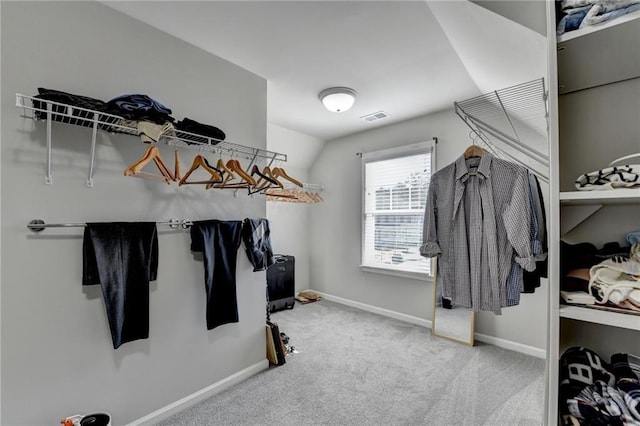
(224, 175)
(475, 150)
(293, 196)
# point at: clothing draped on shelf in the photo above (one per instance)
(484, 222)
(122, 257)
(219, 242)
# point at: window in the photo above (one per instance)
(396, 182)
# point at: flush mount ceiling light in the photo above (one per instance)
(338, 99)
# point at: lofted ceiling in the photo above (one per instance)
(406, 58)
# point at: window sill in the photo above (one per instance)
(404, 274)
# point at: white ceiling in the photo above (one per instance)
(407, 58)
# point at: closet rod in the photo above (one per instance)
(38, 225)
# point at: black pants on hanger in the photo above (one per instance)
(219, 242)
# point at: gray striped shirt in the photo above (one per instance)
(477, 221)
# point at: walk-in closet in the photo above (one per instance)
(196, 230)
(594, 132)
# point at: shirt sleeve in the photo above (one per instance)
(517, 221)
(430, 246)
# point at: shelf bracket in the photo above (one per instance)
(573, 216)
(48, 179)
(272, 159)
(94, 136)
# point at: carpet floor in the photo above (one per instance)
(359, 368)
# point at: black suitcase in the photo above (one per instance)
(281, 283)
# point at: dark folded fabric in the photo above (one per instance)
(576, 256)
(580, 367)
(193, 126)
(68, 99)
(122, 258)
(219, 242)
(626, 366)
(612, 249)
(140, 107)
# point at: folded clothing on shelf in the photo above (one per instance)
(60, 112)
(139, 107)
(207, 130)
(577, 297)
(617, 281)
(597, 393)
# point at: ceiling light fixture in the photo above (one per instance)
(338, 99)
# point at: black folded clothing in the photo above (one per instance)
(193, 126)
(575, 256)
(611, 250)
(140, 108)
(67, 99)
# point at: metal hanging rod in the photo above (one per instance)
(38, 225)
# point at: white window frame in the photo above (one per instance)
(388, 154)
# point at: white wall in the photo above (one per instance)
(57, 356)
(289, 222)
(336, 231)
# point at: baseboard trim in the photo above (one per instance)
(376, 310)
(190, 400)
(495, 341)
(511, 345)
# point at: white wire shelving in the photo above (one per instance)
(516, 116)
(49, 111)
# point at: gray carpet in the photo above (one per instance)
(358, 368)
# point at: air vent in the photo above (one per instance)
(376, 116)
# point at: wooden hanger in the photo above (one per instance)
(473, 151)
(176, 167)
(227, 175)
(236, 167)
(151, 154)
(280, 172)
(234, 170)
(200, 161)
(266, 180)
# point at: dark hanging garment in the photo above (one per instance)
(122, 258)
(531, 280)
(257, 243)
(219, 242)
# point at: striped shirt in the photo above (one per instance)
(477, 220)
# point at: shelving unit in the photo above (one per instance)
(610, 196)
(585, 56)
(596, 28)
(49, 111)
(614, 319)
(589, 68)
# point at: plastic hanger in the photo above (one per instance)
(200, 161)
(151, 154)
(266, 179)
(227, 175)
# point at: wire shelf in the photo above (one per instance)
(516, 116)
(46, 110)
